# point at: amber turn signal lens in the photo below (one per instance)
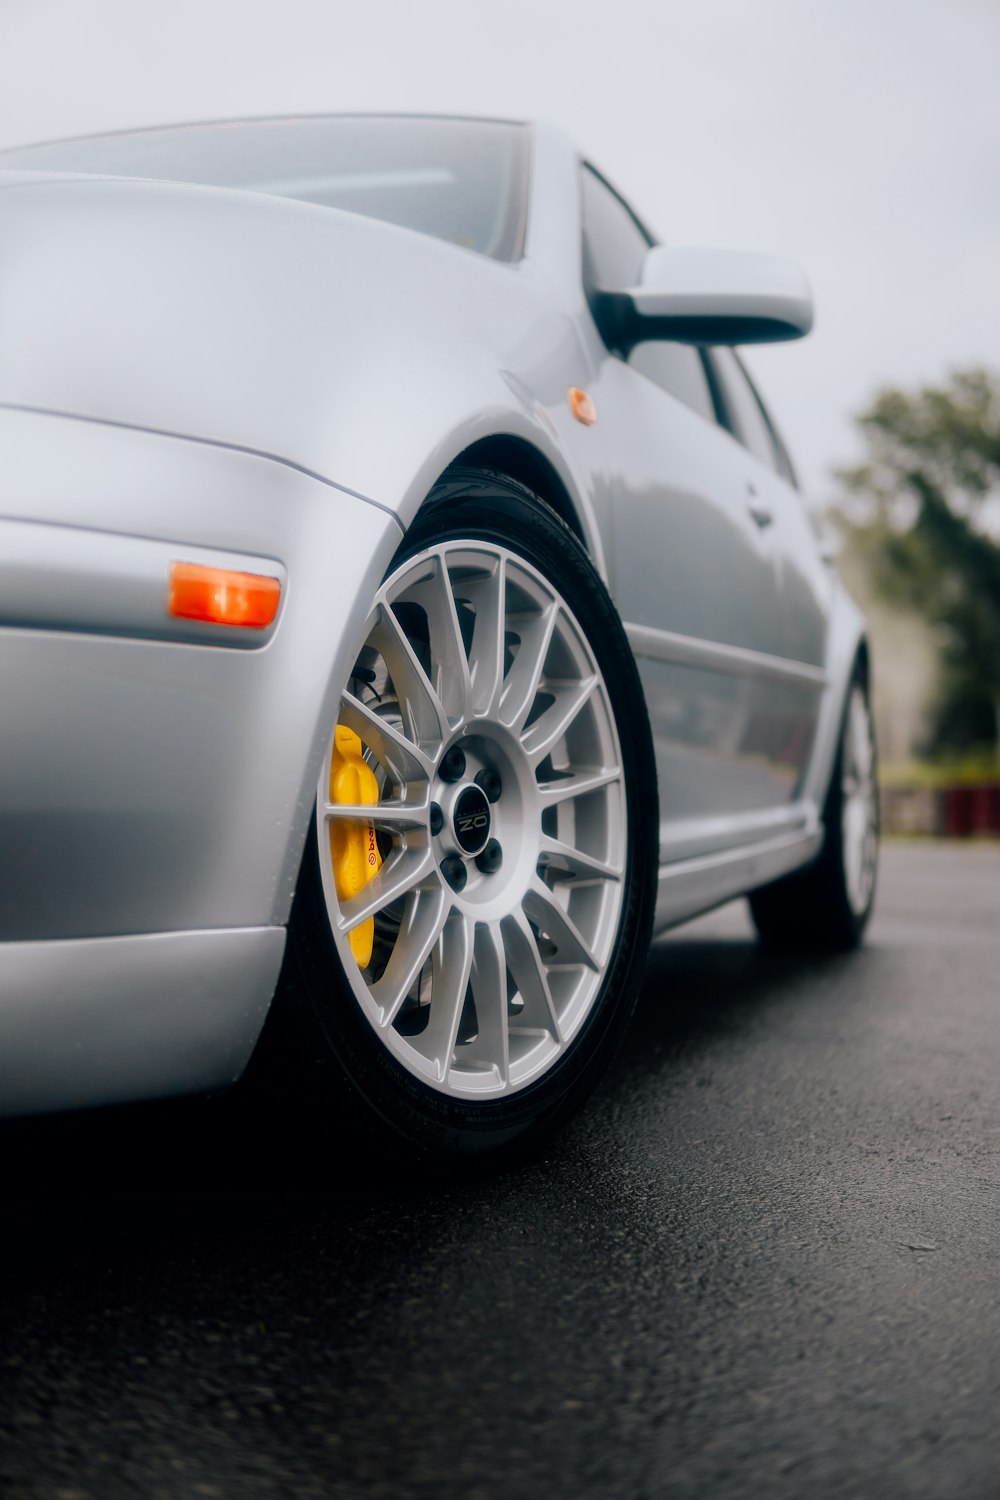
(222, 597)
(582, 406)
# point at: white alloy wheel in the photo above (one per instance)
(859, 809)
(473, 913)
(828, 904)
(500, 821)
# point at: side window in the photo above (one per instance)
(677, 369)
(743, 411)
(785, 465)
(614, 242)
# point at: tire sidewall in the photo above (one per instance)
(395, 1104)
(833, 814)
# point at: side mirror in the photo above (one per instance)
(708, 297)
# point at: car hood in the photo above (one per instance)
(347, 346)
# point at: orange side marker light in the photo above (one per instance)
(582, 406)
(222, 597)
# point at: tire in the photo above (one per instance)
(827, 906)
(501, 977)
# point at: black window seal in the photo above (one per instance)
(591, 290)
(643, 229)
(716, 384)
(782, 457)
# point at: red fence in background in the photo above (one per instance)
(951, 812)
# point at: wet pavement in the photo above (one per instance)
(764, 1262)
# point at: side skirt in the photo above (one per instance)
(688, 887)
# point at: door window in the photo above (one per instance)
(614, 241)
(678, 370)
(744, 416)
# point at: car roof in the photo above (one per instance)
(280, 119)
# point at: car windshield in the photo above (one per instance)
(459, 180)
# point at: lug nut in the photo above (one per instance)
(437, 820)
(489, 781)
(452, 766)
(454, 871)
(491, 858)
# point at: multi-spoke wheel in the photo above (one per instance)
(473, 917)
(828, 904)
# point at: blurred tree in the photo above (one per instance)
(923, 512)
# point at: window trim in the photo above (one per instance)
(730, 421)
(712, 416)
(715, 385)
(592, 290)
(782, 457)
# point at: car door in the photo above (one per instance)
(805, 585)
(693, 573)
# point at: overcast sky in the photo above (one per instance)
(860, 136)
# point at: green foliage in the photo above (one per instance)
(949, 768)
(923, 511)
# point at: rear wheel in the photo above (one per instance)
(475, 906)
(829, 904)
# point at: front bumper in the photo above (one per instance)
(157, 777)
(109, 1020)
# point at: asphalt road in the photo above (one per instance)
(765, 1262)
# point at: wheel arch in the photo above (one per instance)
(518, 459)
(848, 651)
(509, 523)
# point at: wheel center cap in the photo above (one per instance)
(471, 820)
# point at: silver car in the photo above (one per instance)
(403, 591)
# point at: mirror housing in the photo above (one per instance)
(696, 296)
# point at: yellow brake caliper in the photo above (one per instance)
(356, 859)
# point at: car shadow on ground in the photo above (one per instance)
(238, 1159)
(710, 983)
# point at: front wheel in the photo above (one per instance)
(473, 915)
(828, 905)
